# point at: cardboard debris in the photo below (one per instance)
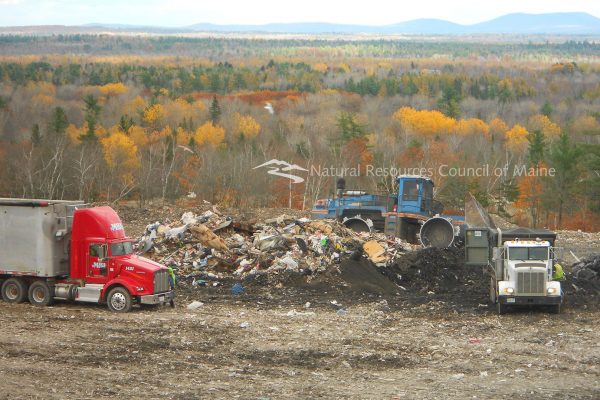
(209, 238)
(375, 251)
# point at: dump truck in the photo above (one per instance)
(55, 249)
(520, 264)
(411, 213)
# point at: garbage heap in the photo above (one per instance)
(211, 246)
(585, 275)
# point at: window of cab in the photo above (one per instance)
(121, 248)
(528, 253)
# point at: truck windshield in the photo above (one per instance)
(121, 249)
(528, 253)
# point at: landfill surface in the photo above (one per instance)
(273, 305)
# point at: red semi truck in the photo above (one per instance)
(54, 249)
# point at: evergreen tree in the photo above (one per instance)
(59, 122)
(125, 123)
(349, 127)
(565, 158)
(547, 109)
(36, 135)
(92, 110)
(214, 111)
(537, 145)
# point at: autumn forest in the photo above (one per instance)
(139, 118)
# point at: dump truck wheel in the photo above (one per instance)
(501, 308)
(493, 298)
(119, 300)
(40, 294)
(14, 291)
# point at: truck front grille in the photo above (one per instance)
(161, 281)
(531, 283)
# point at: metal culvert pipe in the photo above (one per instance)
(437, 232)
(358, 224)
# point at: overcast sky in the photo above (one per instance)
(187, 12)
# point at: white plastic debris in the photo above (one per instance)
(194, 305)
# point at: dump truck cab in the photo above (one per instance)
(526, 276)
(520, 263)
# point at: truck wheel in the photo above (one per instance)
(502, 308)
(119, 300)
(40, 294)
(14, 291)
(492, 291)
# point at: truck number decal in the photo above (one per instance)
(99, 265)
(129, 268)
(117, 226)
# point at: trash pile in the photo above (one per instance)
(432, 270)
(585, 275)
(211, 246)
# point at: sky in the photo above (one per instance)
(173, 13)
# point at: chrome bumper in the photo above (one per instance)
(158, 298)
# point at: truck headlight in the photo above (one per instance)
(509, 290)
(552, 290)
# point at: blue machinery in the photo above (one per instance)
(411, 214)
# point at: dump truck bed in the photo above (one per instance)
(35, 236)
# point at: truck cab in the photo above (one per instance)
(56, 249)
(526, 275)
(102, 257)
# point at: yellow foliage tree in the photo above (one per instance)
(121, 155)
(183, 136)
(138, 135)
(425, 122)
(545, 125)
(516, 138)
(471, 127)
(135, 106)
(73, 133)
(586, 125)
(247, 126)
(209, 133)
(113, 89)
(154, 115)
(498, 127)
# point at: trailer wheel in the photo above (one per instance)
(40, 294)
(119, 300)
(14, 291)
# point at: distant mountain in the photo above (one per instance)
(555, 23)
(573, 23)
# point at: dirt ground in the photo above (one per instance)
(268, 345)
(419, 329)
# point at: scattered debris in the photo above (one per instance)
(194, 305)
